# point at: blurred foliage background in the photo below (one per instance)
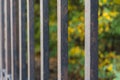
(109, 37)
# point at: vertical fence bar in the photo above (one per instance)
(1, 40)
(14, 45)
(62, 8)
(7, 38)
(2, 55)
(22, 40)
(91, 39)
(44, 39)
(30, 30)
(2, 33)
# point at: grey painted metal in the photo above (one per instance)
(7, 37)
(2, 37)
(2, 32)
(30, 33)
(22, 40)
(0, 40)
(91, 39)
(62, 8)
(44, 39)
(2, 66)
(14, 38)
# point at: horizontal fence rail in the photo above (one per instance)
(17, 49)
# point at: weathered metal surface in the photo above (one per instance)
(30, 41)
(7, 30)
(22, 40)
(91, 39)
(44, 39)
(14, 39)
(62, 17)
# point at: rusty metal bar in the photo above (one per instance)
(91, 39)
(30, 33)
(44, 39)
(7, 38)
(62, 8)
(22, 40)
(14, 39)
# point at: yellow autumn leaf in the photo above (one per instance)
(70, 30)
(107, 28)
(104, 1)
(110, 68)
(75, 50)
(114, 14)
(116, 1)
(107, 16)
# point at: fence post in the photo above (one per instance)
(62, 34)
(22, 40)
(14, 39)
(30, 41)
(44, 29)
(91, 39)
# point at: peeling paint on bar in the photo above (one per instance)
(91, 39)
(62, 17)
(3, 74)
(9, 77)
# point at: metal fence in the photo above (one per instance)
(13, 39)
